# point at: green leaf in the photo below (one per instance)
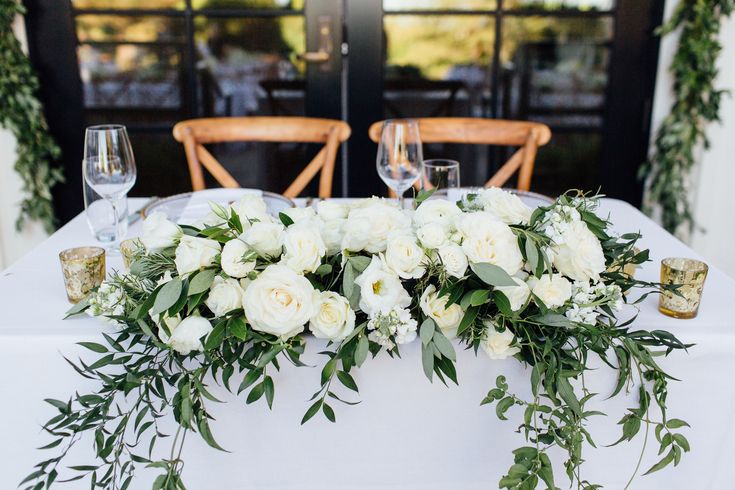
(676, 423)
(348, 280)
(493, 275)
(444, 345)
(360, 263)
(238, 328)
(361, 352)
(565, 390)
(101, 349)
(201, 281)
(532, 254)
(215, 337)
(426, 332)
(285, 219)
(255, 394)
(167, 296)
(311, 411)
(347, 380)
(427, 361)
(468, 319)
(665, 461)
(422, 196)
(503, 406)
(79, 307)
(269, 390)
(479, 297)
(323, 270)
(328, 412)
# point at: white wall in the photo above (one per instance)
(712, 195)
(13, 244)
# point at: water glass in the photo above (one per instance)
(399, 154)
(440, 175)
(101, 217)
(690, 275)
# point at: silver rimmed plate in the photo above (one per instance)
(192, 207)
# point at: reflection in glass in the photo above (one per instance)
(560, 4)
(389, 5)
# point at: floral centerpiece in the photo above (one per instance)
(228, 301)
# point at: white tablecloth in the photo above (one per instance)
(406, 433)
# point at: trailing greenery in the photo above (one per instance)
(696, 103)
(21, 113)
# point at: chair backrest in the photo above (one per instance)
(195, 133)
(527, 135)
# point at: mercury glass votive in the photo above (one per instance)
(128, 249)
(84, 270)
(690, 275)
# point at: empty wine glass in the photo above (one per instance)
(109, 167)
(440, 175)
(399, 155)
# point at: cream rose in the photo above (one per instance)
(334, 319)
(454, 260)
(185, 338)
(486, 239)
(300, 214)
(266, 238)
(355, 234)
(404, 257)
(580, 257)
(435, 307)
(554, 290)
(380, 289)
(159, 233)
(279, 302)
(224, 296)
(432, 235)
(438, 211)
(517, 295)
(194, 253)
(506, 206)
(232, 257)
(497, 345)
(331, 210)
(303, 247)
(251, 207)
(381, 217)
(332, 234)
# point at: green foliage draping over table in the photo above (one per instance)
(230, 300)
(21, 113)
(696, 103)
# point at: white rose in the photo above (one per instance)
(266, 238)
(170, 322)
(334, 319)
(185, 338)
(435, 307)
(303, 247)
(332, 234)
(404, 257)
(383, 218)
(432, 235)
(194, 253)
(300, 214)
(279, 302)
(380, 289)
(331, 210)
(159, 232)
(497, 345)
(486, 239)
(506, 206)
(224, 296)
(554, 291)
(517, 295)
(580, 256)
(251, 207)
(232, 259)
(438, 211)
(454, 260)
(355, 234)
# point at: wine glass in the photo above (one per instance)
(399, 155)
(440, 175)
(109, 167)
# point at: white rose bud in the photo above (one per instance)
(232, 259)
(454, 260)
(435, 307)
(159, 233)
(303, 247)
(580, 256)
(554, 290)
(185, 338)
(517, 295)
(506, 206)
(404, 257)
(279, 302)
(194, 253)
(380, 289)
(224, 296)
(432, 235)
(266, 238)
(497, 345)
(334, 319)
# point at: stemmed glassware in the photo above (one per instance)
(400, 155)
(109, 168)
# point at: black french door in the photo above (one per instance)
(584, 67)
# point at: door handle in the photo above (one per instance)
(326, 45)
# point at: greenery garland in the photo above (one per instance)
(21, 113)
(697, 103)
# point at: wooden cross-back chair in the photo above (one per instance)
(476, 131)
(195, 133)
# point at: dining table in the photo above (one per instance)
(406, 432)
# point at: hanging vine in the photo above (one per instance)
(697, 103)
(21, 113)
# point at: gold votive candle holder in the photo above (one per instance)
(689, 275)
(84, 270)
(128, 249)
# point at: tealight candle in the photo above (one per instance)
(84, 270)
(689, 274)
(128, 249)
